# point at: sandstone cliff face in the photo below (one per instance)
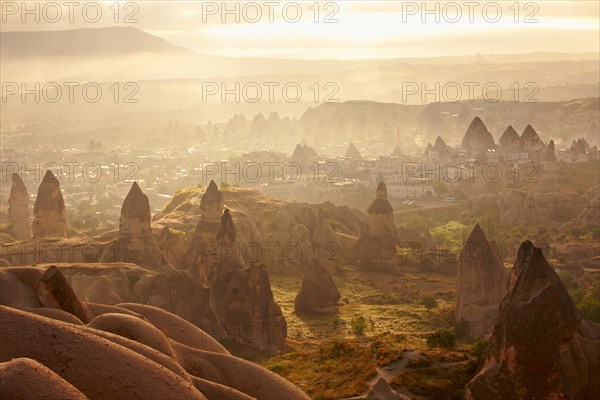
(479, 284)
(18, 210)
(49, 209)
(318, 293)
(539, 347)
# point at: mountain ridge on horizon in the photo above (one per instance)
(155, 43)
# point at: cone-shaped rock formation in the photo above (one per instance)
(49, 209)
(318, 293)
(539, 348)
(18, 210)
(479, 284)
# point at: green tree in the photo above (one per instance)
(429, 302)
(358, 325)
(450, 235)
(440, 188)
(442, 338)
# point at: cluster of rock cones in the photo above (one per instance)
(55, 346)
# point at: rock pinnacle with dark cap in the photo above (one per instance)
(226, 231)
(135, 218)
(49, 209)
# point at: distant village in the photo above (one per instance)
(98, 179)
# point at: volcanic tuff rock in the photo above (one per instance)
(380, 218)
(479, 284)
(477, 139)
(589, 208)
(510, 140)
(137, 242)
(377, 246)
(262, 221)
(49, 209)
(240, 298)
(205, 235)
(530, 140)
(153, 354)
(325, 239)
(112, 284)
(397, 152)
(304, 153)
(428, 149)
(550, 152)
(352, 152)
(579, 146)
(135, 215)
(18, 210)
(174, 245)
(318, 293)
(54, 291)
(539, 347)
(441, 147)
(517, 206)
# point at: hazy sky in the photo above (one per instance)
(354, 29)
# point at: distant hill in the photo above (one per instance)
(399, 124)
(91, 42)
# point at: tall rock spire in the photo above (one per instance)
(135, 221)
(538, 333)
(18, 210)
(479, 284)
(49, 209)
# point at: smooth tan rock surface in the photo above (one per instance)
(117, 371)
(176, 328)
(318, 293)
(479, 284)
(27, 379)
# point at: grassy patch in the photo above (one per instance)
(436, 383)
(388, 348)
(340, 368)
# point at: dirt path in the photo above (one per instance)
(392, 370)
